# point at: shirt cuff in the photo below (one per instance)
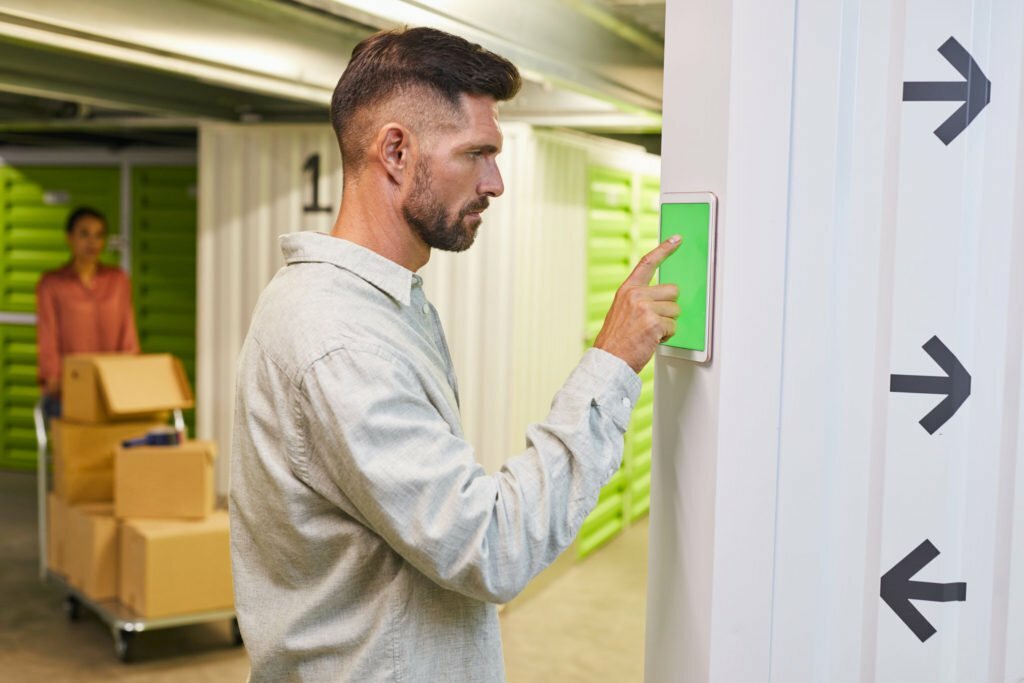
(616, 386)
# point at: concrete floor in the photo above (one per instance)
(585, 625)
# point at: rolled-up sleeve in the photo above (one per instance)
(371, 427)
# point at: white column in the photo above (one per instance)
(788, 476)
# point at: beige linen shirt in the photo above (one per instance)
(367, 543)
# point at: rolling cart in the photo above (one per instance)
(123, 622)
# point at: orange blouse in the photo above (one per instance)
(73, 318)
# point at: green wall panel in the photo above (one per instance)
(34, 204)
(622, 225)
(164, 263)
(19, 392)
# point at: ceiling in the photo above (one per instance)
(147, 71)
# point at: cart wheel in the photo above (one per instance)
(236, 633)
(123, 644)
(72, 608)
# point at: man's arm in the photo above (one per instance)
(386, 448)
(419, 486)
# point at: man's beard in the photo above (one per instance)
(424, 212)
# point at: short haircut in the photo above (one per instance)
(390, 64)
(84, 212)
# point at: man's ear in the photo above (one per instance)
(394, 146)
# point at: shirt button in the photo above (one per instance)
(426, 309)
(626, 403)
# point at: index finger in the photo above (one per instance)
(650, 261)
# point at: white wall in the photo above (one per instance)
(252, 188)
(787, 477)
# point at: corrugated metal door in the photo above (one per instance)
(164, 262)
(19, 390)
(621, 228)
(255, 184)
(34, 205)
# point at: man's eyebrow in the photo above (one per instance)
(487, 149)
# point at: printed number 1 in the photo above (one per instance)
(313, 166)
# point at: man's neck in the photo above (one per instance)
(381, 228)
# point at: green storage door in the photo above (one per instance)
(164, 263)
(641, 426)
(622, 225)
(34, 204)
(609, 250)
(19, 392)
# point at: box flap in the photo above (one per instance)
(142, 384)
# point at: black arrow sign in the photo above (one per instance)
(956, 385)
(975, 92)
(898, 590)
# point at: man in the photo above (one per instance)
(367, 543)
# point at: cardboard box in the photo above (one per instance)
(100, 388)
(91, 550)
(164, 481)
(56, 533)
(176, 567)
(83, 458)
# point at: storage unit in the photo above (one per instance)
(151, 210)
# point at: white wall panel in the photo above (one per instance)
(850, 235)
(252, 188)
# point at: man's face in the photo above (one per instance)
(455, 177)
(87, 238)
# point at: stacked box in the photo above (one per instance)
(134, 524)
(169, 482)
(91, 550)
(83, 458)
(172, 567)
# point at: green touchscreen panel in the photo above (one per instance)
(688, 268)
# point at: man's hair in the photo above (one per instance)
(390, 64)
(84, 212)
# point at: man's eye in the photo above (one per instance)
(475, 153)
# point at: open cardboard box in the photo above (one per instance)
(103, 388)
(83, 457)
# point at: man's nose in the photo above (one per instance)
(491, 184)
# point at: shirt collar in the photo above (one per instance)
(384, 274)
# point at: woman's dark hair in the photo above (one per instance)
(84, 212)
(391, 62)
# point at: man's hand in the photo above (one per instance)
(641, 316)
(52, 386)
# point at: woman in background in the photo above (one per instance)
(82, 307)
